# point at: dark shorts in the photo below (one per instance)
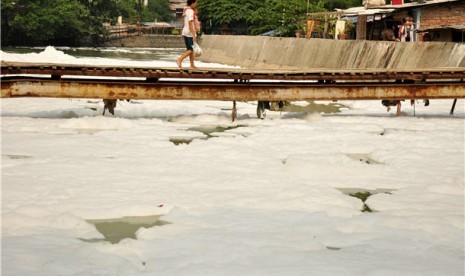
(189, 41)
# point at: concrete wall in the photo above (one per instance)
(148, 41)
(295, 53)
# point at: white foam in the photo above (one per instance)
(264, 203)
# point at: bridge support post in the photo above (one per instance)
(453, 107)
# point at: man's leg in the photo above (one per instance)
(181, 58)
(191, 56)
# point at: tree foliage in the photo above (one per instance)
(259, 16)
(66, 22)
(226, 11)
(218, 14)
(43, 21)
(157, 10)
(341, 4)
(284, 17)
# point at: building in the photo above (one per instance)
(433, 20)
(177, 7)
(443, 22)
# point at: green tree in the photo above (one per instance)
(58, 22)
(341, 4)
(283, 16)
(227, 11)
(233, 13)
(259, 16)
(157, 10)
(109, 10)
(67, 22)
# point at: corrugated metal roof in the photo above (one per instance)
(458, 27)
(415, 4)
(177, 4)
(389, 8)
(364, 11)
(454, 27)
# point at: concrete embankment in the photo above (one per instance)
(295, 53)
(148, 41)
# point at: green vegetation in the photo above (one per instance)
(157, 10)
(284, 16)
(67, 22)
(259, 16)
(44, 21)
(341, 4)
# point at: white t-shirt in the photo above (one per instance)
(188, 16)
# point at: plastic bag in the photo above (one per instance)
(197, 49)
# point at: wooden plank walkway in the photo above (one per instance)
(15, 68)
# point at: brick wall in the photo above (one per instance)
(446, 14)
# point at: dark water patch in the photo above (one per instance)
(17, 156)
(333, 248)
(181, 141)
(389, 131)
(209, 130)
(115, 230)
(329, 108)
(365, 158)
(90, 131)
(364, 194)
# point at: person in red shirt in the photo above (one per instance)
(406, 30)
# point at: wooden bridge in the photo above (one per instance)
(227, 84)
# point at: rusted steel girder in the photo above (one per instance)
(228, 91)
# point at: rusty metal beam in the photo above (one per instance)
(228, 91)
